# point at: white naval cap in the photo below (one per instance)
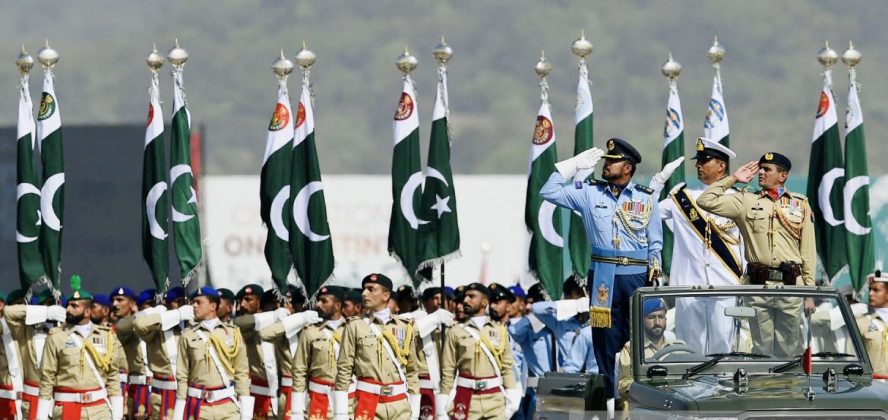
(878, 276)
(708, 149)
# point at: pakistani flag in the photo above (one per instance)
(310, 243)
(403, 238)
(716, 127)
(673, 148)
(859, 235)
(27, 194)
(440, 236)
(826, 181)
(155, 217)
(186, 226)
(52, 195)
(274, 189)
(541, 217)
(577, 241)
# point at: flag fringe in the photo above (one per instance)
(438, 261)
(194, 272)
(600, 317)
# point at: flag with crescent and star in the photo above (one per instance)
(403, 237)
(274, 189)
(826, 180)
(439, 238)
(155, 214)
(859, 227)
(52, 194)
(673, 148)
(28, 221)
(186, 225)
(577, 241)
(716, 126)
(541, 217)
(311, 246)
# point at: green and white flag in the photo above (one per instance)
(274, 189)
(859, 236)
(186, 225)
(27, 193)
(826, 174)
(673, 148)
(439, 239)
(716, 127)
(155, 216)
(403, 237)
(541, 217)
(577, 241)
(52, 194)
(310, 244)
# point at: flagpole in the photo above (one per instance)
(442, 54)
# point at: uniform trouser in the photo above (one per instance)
(776, 329)
(96, 411)
(609, 341)
(488, 406)
(223, 410)
(701, 323)
(160, 409)
(395, 410)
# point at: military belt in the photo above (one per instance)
(391, 390)
(480, 385)
(80, 397)
(211, 395)
(138, 380)
(619, 260)
(31, 390)
(158, 382)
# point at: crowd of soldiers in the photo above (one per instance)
(474, 352)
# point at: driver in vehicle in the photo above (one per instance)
(654, 342)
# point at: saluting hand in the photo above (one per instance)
(745, 173)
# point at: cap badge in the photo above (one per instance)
(769, 156)
(610, 145)
(700, 145)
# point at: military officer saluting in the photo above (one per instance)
(79, 372)
(623, 226)
(874, 324)
(212, 373)
(778, 238)
(138, 393)
(381, 351)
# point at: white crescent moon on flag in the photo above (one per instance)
(22, 190)
(407, 192)
(823, 191)
(277, 214)
(47, 194)
(851, 187)
(549, 232)
(154, 194)
(175, 173)
(300, 211)
(434, 173)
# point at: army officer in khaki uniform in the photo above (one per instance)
(874, 324)
(79, 371)
(778, 237)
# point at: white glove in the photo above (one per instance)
(340, 405)
(281, 313)
(297, 406)
(56, 313)
(179, 410)
(44, 409)
(442, 401)
(427, 324)
(294, 323)
(584, 160)
(246, 403)
(414, 406)
(567, 308)
(173, 317)
(116, 407)
(659, 180)
(36, 314)
(513, 401)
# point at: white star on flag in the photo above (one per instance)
(441, 205)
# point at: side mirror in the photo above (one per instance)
(740, 312)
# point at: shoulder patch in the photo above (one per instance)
(643, 189)
(798, 196)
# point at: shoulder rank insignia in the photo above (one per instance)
(676, 188)
(798, 196)
(643, 189)
(593, 181)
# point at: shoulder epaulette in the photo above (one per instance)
(353, 318)
(798, 196)
(55, 330)
(593, 181)
(644, 189)
(676, 188)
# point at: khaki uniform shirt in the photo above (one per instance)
(28, 338)
(316, 354)
(148, 328)
(364, 355)
(66, 361)
(196, 367)
(626, 376)
(247, 325)
(462, 353)
(874, 330)
(131, 344)
(774, 231)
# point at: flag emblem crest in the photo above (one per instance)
(47, 106)
(300, 115)
(715, 115)
(673, 122)
(543, 131)
(150, 114)
(280, 118)
(822, 107)
(405, 107)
